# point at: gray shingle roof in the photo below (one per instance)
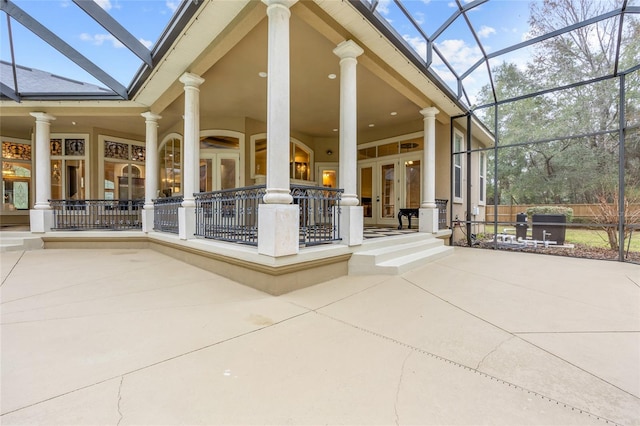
(33, 81)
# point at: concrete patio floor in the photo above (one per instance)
(96, 337)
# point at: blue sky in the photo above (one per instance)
(498, 24)
(145, 19)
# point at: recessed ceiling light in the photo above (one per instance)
(371, 125)
(262, 74)
(73, 123)
(332, 76)
(394, 113)
(335, 130)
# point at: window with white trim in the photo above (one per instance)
(69, 166)
(483, 178)
(170, 156)
(122, 168)
(458, 147)
(300, 158)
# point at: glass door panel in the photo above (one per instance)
(388, 191)
(412, 184)
(229, 172)
(206, 175)
(366, 191)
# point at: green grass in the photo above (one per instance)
(588, 237)
(598, 238)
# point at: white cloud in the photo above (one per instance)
(486, 31)
(418, 43)
(172, 4)
(146, 43)
(65, 3)
(100, 39)
(105, 4)
(459, 54)
(383, 7)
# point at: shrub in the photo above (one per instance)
(567, 211)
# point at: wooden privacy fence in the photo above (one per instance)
(581, 212)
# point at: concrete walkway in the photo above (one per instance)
(133, 337)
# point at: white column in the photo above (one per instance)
(278, 103)
(351, 218)
(191, 179)
(151, 169)
(348, 51)
(41, 217)
(428, 209)
(278, 219)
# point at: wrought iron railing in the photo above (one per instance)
(230, 214)
(113, 215)
(442, 213)
(319, 213)
(165, 214)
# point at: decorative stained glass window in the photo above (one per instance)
(138, 153)
(74, 147)
(116, 150)
(16, 151)
(56, 146)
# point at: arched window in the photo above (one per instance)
(300, 159)
(170, 159)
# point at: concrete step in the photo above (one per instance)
(397, 255)
(392, 251)
(14, 241)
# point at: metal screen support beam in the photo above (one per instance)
(107, 22)
(468, 147)
(61, 46)
(495, 177)
(621, 186)
(9, 92)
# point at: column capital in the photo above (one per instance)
(283, 3)
(42, 116)
(191, 80)
(429, 112)
(348, 49)
(150, 116)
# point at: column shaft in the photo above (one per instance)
(278, 103)
(191, 137)
(43, 160)
(348, 51)
(429, 158)
(151, 158)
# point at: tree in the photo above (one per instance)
(563, 169)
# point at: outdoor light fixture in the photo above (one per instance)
(329, 152)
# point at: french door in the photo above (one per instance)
(219, 171)
(385, 186)
(379, 192)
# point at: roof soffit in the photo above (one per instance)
(198, 35)
(318, 19)
(348, 17)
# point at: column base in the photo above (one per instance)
(186, 222)
(278, 229)
(428, 219)
(40, 220)
(352, 225)
(147, 219)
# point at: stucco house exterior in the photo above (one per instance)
(260, 141)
